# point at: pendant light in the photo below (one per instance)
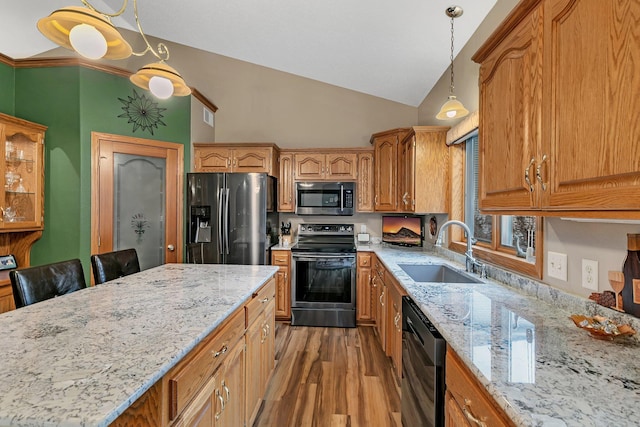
(90, 32)
(452, 109)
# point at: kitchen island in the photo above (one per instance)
(517, 340)
(82, 359)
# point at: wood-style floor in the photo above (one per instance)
(330, 377)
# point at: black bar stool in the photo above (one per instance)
(34, 284)
(112, 265)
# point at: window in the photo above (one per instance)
(510, 241)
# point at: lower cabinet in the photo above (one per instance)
(467, 403)
(222, 381)
(364, 306)
(282, 259)
(260, 340)
(394, 324)
(380, 292)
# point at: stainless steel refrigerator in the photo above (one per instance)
(231, 218)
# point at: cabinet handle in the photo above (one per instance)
(222, 351)
(264, 334)
(404, 198)
(219, 396)
(539, 175)
(226, 390)
(526, 174)
(228, 162)
(285, 277)
(381, 296)
(268, 329)
(470, 416)
(373, 282)
(264, 300)
(375, 200)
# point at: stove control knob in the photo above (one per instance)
(349, 229)
(302, 228)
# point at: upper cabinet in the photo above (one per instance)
(286, 201)
(385, 180)
(558, 107)
(22, 205)
(411, 170)
(332, 166)
(423, 169)
(364, 189)
(236, 157)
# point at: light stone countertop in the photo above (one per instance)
(517, 339)
(82, 359)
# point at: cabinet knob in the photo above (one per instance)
(171, 248)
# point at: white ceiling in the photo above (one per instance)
(393, 49)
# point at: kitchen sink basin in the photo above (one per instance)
(439, 273)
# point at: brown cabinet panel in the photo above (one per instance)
(237, 157)
(365, 182)
(364, 288)
(341, 166)
(386, 172)
(283, 283)
(326, 166)
(286, 199)
(309, 166)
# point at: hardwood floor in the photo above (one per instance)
(330, 377)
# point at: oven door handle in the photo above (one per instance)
(341, 198)
(311, 257)
(413, 330)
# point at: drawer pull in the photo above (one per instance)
(526, 175)
(220, 352)
(539, 174)
(226, 390)
(470, 417)
(264, 300)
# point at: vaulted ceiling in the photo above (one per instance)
(395, 50)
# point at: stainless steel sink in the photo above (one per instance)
(439, 273)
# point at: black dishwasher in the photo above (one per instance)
(423, 354)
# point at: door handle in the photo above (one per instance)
(171, 248)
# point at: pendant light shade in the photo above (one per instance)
(161, 80)
(452, 109)
(84, 26)
(90, 32)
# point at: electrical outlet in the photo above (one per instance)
(590, 274)
(557, 265)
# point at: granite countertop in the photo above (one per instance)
(518, 340)
(82, 359)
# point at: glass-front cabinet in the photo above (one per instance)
(21, 161)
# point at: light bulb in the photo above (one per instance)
(451, 114)
(161, 87)
(88, 41)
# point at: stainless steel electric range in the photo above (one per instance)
(323, 276)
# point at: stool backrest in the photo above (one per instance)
(35, 284)
(111, 265)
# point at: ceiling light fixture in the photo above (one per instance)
(452, 109)
(90, 32)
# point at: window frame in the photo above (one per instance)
(493, 253)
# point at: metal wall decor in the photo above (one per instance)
(143, 112)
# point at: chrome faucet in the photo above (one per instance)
(471, 262)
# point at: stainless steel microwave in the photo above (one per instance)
(325, 198)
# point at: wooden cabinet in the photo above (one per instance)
(557, 110)
(6, 296)
(282, 259)
(466, 400)
(395, 292)
(423, 170)
(237, 157)
(364, 294)
(334, 166)
(385, 180)
(380, 292)
(364, 185)
(260, 341)
(286, 189)
(21, 196)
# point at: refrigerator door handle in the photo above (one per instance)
(220, 225)
(226, 223)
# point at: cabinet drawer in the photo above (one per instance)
(469, 395)
(364, 260)
(280, 258)
(190, 375)
(259, 301)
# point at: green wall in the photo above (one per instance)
(73, 102)
(7, 88)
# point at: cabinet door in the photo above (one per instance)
(251, 160)
(267, 356)
(510, 118)
(253, 338)
(406, 174)
(22, 192)
(212, 159)
(363, 290)
(341, 166)
(231, 389)
(283, 284)
(309, 166)
(7, 302)
(385, 177)
(364, 186)
(204, 408)
(592, 52)
(286, 202)
(453, 417)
